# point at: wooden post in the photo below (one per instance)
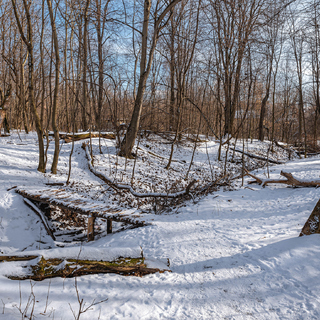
(91, 220)
(109, 226)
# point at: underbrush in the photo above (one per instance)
(197, 162)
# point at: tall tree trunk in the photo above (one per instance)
(131, 134)
(263, 113)
(127, 143)
(56, 91)
(172, 119)
(84, 70)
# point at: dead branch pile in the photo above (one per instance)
(128, 188)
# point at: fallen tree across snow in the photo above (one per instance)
(77, 261)
(254, 156)
(68, 137)
(290, 180)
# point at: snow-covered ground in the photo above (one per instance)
(233, 254)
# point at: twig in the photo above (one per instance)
(45, 309)
(3, 306)
(12, 188)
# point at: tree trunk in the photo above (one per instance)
(263, 114)
(131, 134)
(84, 67)
(127, 143)
(56, 91)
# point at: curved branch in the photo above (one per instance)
(117, 186)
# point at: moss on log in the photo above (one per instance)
(52, 268)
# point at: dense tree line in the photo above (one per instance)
(245, 68)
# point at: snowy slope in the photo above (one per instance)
(233, 255)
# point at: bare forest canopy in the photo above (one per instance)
(249, 68)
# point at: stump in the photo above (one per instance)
(313, 223)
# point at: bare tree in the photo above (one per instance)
(146, 58)
(298, 45)
(28, 41)
(56, 90)
(233, 23)
(271, 35)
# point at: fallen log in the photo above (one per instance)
(257, 180)
(68, 137)
(254, 156)
(290, 180)
(128, 188)
(300, 183)
(18, 258)
(44, 268)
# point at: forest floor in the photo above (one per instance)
(234, 253)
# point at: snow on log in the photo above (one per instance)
(83, 253)
(77, 261)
